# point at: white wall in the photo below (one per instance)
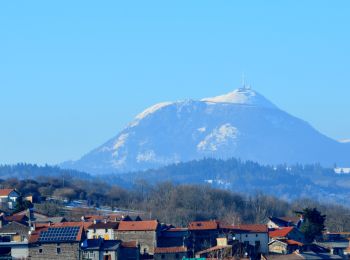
(101, 233)
(252, 237)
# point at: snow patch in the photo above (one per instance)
(243, 95)
(120, 141)
(219, 136)
(148, 112)
(340, 170)
(120, 162)
(344, 141)
(152, 109)
(201, 129)
(147, 156)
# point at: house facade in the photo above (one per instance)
(203, 234)
(100, 249)
(8, 198)
(57, 241)
(105, 230)
(145, 232)
(171, 253)
(254, 236)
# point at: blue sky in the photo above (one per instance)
(74, 73)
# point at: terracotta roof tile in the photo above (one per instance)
(5, 192)
(252, 228)
(282, 232)
(144, 225)
(169, 250)
(203, 225)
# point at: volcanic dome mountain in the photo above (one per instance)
(241, 124)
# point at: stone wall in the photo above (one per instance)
(146, 239)
(59, 251)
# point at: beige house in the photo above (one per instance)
(105, 230)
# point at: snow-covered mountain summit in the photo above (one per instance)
(244, 95)
(241, 124)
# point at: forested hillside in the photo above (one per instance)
(289, 182)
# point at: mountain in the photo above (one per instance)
(241, 124)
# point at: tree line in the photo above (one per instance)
(175, 204)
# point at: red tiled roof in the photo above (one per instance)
(129, 244)
(282, 232)
(144, 225)
(203, 225)
(5, 192)
(251, 228)
(169, 250)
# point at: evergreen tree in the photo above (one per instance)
(313, 224)
(22, 204)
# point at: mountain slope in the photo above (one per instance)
(240, 124)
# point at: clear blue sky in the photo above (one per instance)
(74, 73)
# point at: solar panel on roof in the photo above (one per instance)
(59, 234)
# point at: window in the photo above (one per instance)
(177, 256)
(40, 250)
(256, 235)
(58, 250)
(163, 256)
(106, 230)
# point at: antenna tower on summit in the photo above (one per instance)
(243, 81)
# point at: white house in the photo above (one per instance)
(8, 198)
(254, 235)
